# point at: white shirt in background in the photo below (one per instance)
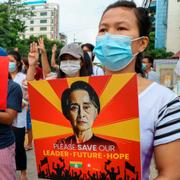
(97, 71)
(20, 121)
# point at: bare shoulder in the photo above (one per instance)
(143, 84)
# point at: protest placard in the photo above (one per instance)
(86, 127)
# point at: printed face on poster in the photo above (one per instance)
(4, 61)
(86, 127)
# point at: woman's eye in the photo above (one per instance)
(86, 107)
(121, 28)
(74, 108)
(101, 30)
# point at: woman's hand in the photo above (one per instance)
(41, 45)
(54, 48)
(33, 54)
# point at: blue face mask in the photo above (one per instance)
(114, 51)
(144, 66)
(12, 67)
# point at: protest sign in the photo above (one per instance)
(86, 127)
(3, 79)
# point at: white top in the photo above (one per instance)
(97, 71)
(177, 68)
(154, 76)
(159, 110)
(20, 121)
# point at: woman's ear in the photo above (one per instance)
(144, 43)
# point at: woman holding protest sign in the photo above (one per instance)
(123, 36)
(7, 139)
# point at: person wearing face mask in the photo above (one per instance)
(71, 61)
(19, 123)
(7, 139)
(86, 59)
(88, 48)
(123, 36)
(147, 63)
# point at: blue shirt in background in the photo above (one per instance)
(14, 101)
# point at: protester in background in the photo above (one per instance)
(177, 68)
(88, 48)
(147, 64)
(16, 49)
(123, 35)
(71, 62)
(86, 59)
(89, 64)
(38, 72)
(28, 146)
(19, 124)
(25, 65)
(7, 139)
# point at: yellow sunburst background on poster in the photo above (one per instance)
(128, 130)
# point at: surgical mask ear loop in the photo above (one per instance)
(136, 40)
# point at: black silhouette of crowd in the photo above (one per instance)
(61, 172)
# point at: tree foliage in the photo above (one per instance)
(12, 28)
(10, 24)
(156, 53)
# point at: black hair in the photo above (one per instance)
(17, 57)
(143, 21)
(78, 85)
(25, 60)
(9, 76)
(89, 46)
(88, 63)
(150, 59)
(26, 64)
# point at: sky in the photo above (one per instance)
(79, 18)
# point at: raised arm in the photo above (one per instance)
(53, 57)
(45, 64)
(89, 174)
(32, 60)
(105, 168)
